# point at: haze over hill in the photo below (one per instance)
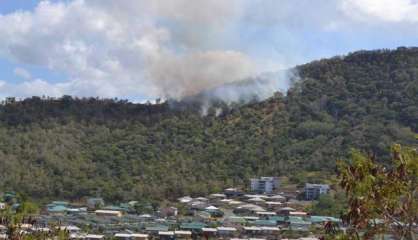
(69, 148)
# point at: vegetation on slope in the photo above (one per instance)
(69, 148)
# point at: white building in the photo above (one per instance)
(264, 184)
(313, 191)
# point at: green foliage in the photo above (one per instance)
(69, 148)
(382, 199)
(329, 205)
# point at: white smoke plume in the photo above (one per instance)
(146, 49)
(254, 89)
(168, 49)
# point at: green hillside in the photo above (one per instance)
(70, 148)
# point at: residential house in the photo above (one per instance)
(313, 191)
(168, 212)
(264, 184)
(130, 236)
(233, 192)
(108, 213)
(95, 203)
(226, 231)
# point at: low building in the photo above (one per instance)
(168, 212)
(166, 235)
(313, 191)
(226, 231)
(130, 236)
(195, 227)
(56, 209)
(233, 192)
(93, 236)
(155, 229)
(251, 230)
(209, 232)
(95, 203)
(264, 184)
(183, 234)
(71, 229)
(108, 213)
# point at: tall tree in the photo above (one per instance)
(382, 199)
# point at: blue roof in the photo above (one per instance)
(57, 208)
(320, 219)
(265, 222)
(277, 218)
(157, 228)
(297, 220)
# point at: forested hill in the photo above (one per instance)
(69, 148)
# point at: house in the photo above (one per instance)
(108, 213)
(93, 236)
(270, 230)
(166, 235)
(94, 203)
(226, 231)
(57, 208)
(71, 229)
(248, 209)
(320, 220)
(298, 224)
(285, 211)
(298, 213)
(234, 220)
(273, 206)
(250, 230)
(277, 198)
(183, 234)
(313, 191)
(130, 236)
(155, 229)
(139, 236)
(193, 226)
(264, 184)
(168, 212)
(265, 215)
(233, 192)
(214, 212)
(185, 199)
(217, 196)
(265, 222)
(209, 232)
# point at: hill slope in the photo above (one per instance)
(69, 148)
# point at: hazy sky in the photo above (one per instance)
(142, 49)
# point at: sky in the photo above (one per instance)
(141, 49)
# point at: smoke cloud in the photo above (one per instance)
(147, 49)
(169, 49)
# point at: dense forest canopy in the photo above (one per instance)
(70, 148)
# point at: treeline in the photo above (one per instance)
(70, 148)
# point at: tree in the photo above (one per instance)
(329, 205)
(382, 199)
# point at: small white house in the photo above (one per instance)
(108, 213)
